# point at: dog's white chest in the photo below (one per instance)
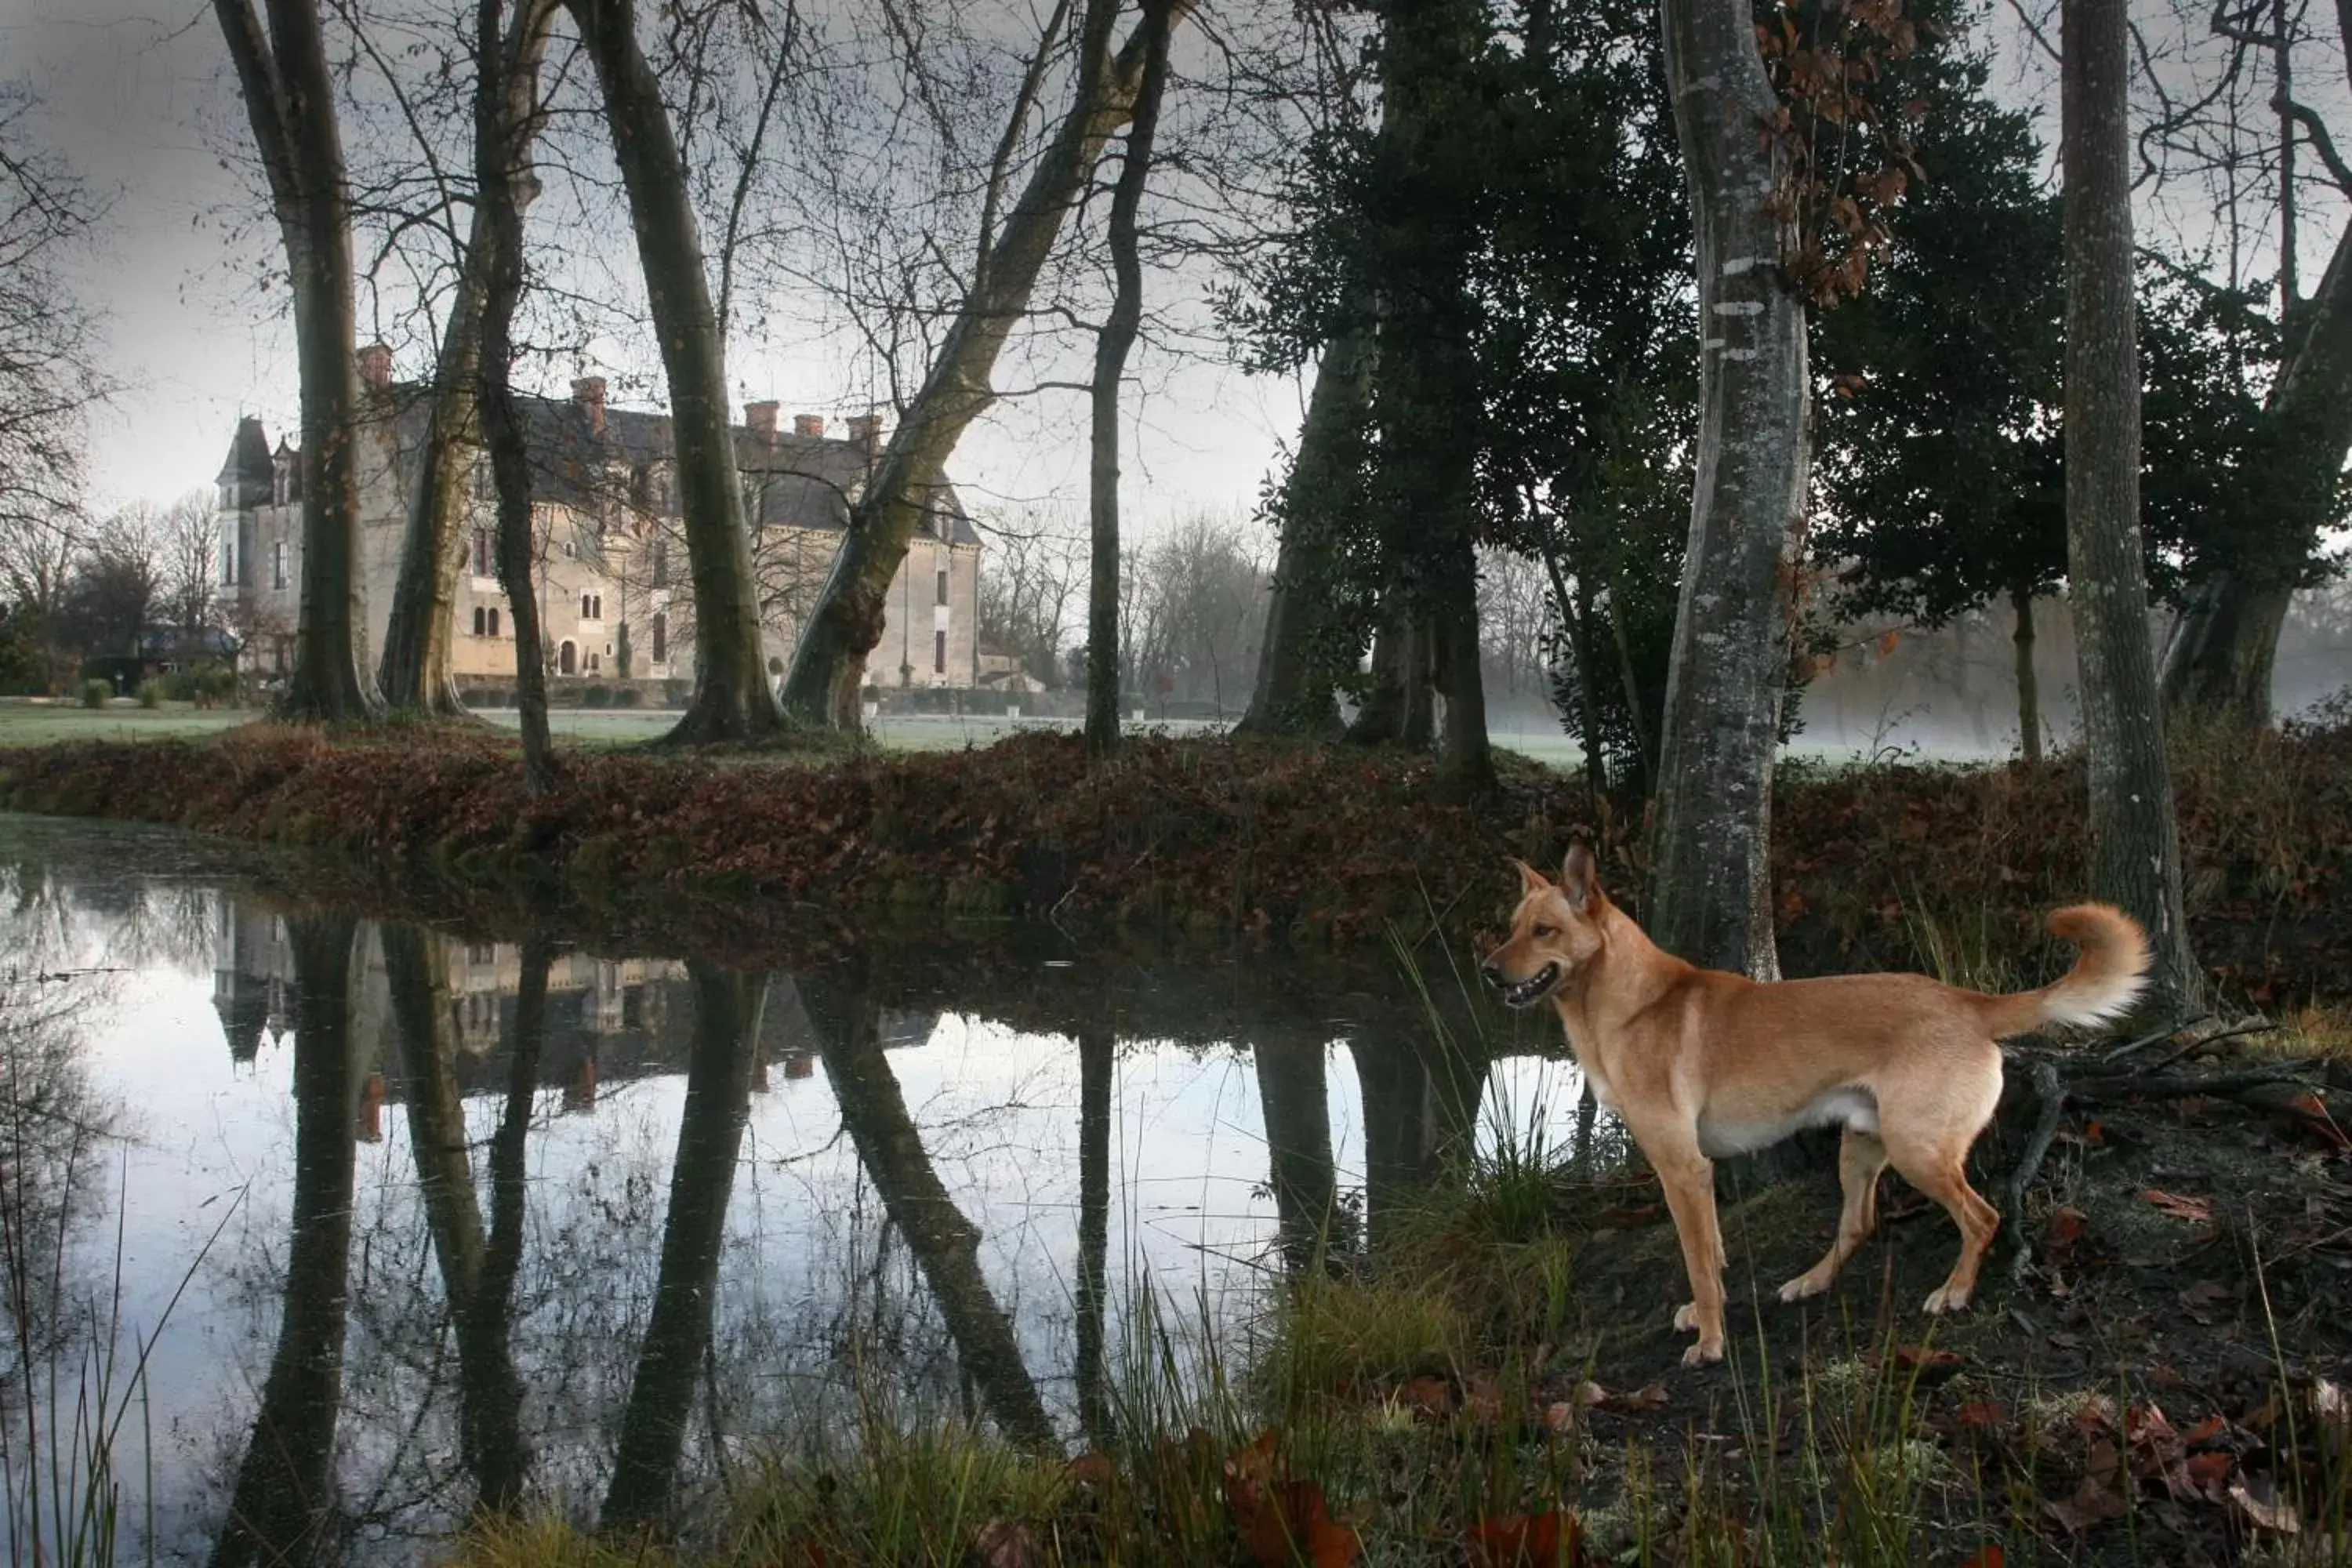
(1720, 1137)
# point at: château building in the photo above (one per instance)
(609, 545)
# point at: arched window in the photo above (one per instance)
(481, 621)
(494, 620)
(661, 637)
(567, 659)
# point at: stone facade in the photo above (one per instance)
(616, 601)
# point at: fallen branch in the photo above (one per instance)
(2133, 1047)
(2221, 1085)
(2051, 1096)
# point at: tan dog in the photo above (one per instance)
(1702, 1065)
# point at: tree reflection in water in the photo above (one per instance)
(478, 1272)
(843, 1008)
(471, 1317)
(283, 1509)
(677, 1336)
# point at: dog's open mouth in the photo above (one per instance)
(1534, 988)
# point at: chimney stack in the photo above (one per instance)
(808, 424)
(761, 418)
(375, 368)
(865, 429)
(588, 392)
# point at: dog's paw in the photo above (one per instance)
(1945, 1300)
(1703, 1353)
(1686, 1317)
(1804, 1286)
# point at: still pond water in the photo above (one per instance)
(404, 1221)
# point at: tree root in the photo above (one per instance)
(2059, 1082)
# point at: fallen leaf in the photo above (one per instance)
(2090, 1504)
(1930, 1367)
(2204, 1299)
(1988, 1555)
(1092, 1468)
(1982, 1413)
(2208, 1470)
(1006, 1543)
(1283, 1522)
(2062, 1233)
(2259, 1502)
(2208, 1430)
(1649, 1396)
(1526, 1541)
(1428, 1392)
(1560, 1417)
(2195, 1211)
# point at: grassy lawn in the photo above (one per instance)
(26, 724)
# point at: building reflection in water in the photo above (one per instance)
(566, 1231)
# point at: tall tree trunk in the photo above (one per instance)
(2224, 648)
(1417, 707)
(702, 1177)
(2134, 839)
(289, 92)
(1466, 761)
(420, 636)
(844, 624)
(1111, 346)
(1576, 614)
(283, 1509)
(1380, 716)
(732, 699)
(1299, 666)
(1710, 841)
(505, 107)
(2029, 684)
(1637, 717)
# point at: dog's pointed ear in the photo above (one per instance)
(1579, 877)
(1530, 880)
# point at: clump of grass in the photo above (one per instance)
(96, 693)
(914, 1490)
(1329, 1336)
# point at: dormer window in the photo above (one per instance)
(279, 482)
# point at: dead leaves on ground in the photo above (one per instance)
(1284, 1521)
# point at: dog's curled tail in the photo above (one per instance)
(2109, 972)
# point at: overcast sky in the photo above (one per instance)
(137, 97)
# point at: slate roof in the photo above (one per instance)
(798, 481)
(247, 465)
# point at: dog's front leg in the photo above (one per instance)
(1688, 1178)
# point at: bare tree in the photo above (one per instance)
(289, 93)
(1710, 882)
(1117, 336)
(48, 355)
(2239, 128)
(732, 699)
(506, 50)
(1195, 613)
(828, 663)
(187, 540)
(1034, 571)
(2135, 838)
